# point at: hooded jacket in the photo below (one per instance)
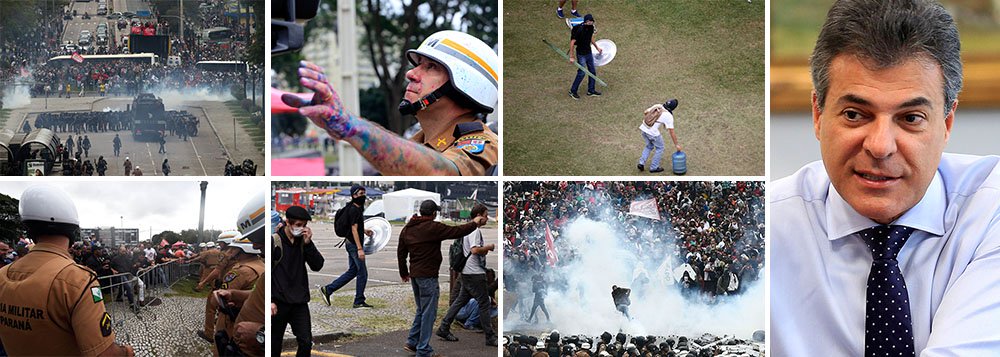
(421, 240)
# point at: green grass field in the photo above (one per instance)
(708, 54)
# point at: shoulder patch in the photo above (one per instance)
(468, 128)
(105, 324)
(229, 277)
(474, 144)
(96, 293)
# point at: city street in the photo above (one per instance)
(205, 154)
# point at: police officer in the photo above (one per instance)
(248, 267)
(225, 265)
(246, 333)
(453, 82)
(52, 306)
(209, 259)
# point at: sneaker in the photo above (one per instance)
(560, 13)
(326, 295)
(575, 14)
(475, 329)
(446, 335)
(594, 93)
(658, 169)
(641, 168)
(574, 95)
(410, 348)
(363, 306)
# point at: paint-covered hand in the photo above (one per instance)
(325, 109)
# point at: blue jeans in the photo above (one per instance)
(425, 294)
(470, 314)
(585, 60)
(652, 142)
(355, 268)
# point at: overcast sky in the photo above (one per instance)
(158, 205)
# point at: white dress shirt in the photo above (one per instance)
(951, 263)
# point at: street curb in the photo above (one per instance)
(216, 132)
(289, 343)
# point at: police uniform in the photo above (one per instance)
(252, 311)
(225, 264)
(209, 260)
(241, 277)
(472, 146)
(50, 305)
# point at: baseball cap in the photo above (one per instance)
(428, 207)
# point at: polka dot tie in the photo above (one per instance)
(888, 331)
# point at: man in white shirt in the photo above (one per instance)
(887, 246)
(474, 283)
(650, 129)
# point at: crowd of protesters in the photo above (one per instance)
(26, 57)
(622, 345)
(712, 233)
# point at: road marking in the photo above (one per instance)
(317, 353)
(197, 155)
(369, 278)
(151, 162)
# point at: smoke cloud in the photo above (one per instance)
(602, 259)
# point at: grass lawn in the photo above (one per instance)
(708, 54)
(243, 117)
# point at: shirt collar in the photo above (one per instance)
(441, 143)
(927, 215)
(52, 248)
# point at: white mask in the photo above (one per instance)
(298, 231)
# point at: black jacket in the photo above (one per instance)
(289, 283)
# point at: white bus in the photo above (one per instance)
(134, 58)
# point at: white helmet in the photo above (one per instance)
(47, 210)
(201, 245)
(472, 65)
(46, 203)
(245, 245)
(210, 245)
(251, 220)
(228, 237)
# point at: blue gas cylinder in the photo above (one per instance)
(680, 163)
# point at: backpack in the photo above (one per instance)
(456, 255)
(650, 118)
(342, 227)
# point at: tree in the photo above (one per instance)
(389, 32)
(171, 237)
(10, 220)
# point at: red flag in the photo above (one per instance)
(550, 247)
(163, 242)
(77, 57)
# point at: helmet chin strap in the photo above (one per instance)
(407, 107)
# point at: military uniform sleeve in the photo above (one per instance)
(474, 153)
(91, 322)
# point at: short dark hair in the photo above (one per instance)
(885, 33)
(478, 210)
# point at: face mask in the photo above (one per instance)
(298, 231)
(360, 200)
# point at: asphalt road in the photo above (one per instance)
(204, 155)
(382, 267)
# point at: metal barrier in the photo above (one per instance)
(149, 284)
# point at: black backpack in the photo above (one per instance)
(341, 226)
(456, 255)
